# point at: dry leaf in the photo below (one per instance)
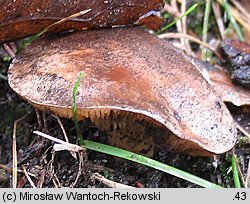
(229, 92)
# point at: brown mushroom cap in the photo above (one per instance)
(126, 71)
(19, 19)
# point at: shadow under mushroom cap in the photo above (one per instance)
(127, 70)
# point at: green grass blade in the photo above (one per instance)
(29, 40)
(192, 8)
(232, 20)
(147, 162)
(205, 27)
(3, 77)
(74, 108)
(235, 172)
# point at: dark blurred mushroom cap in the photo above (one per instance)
(19, 19)
(237, 60)
(125, 70)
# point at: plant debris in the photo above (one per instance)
(237, 60)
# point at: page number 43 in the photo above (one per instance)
(240, 196)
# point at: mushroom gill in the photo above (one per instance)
(139, 88)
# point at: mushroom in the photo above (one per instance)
(137, 87)
(19, 19)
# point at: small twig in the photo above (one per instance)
(83, 12)
(246, 183)
(14, 151)
(39, 119)
(50, 164)
(51, 171)
(30, 174)
(189, 37)
(177, 20)
(9, 50)
(242, 10)
(64, 134)
(184, 28)
(80, 168)
(45, 123)
(219, 20)
(233, 21)
(56, 181)
(65, 145)
(62, 128)
(28, 177)
(41, 179)
(171, 10)
(13, 46)
(178, 23)
(237, 16)
(108, 182)
(101, 168)
(43, 31)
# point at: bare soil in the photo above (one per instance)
(56, 169)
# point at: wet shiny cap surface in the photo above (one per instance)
(129, 70)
